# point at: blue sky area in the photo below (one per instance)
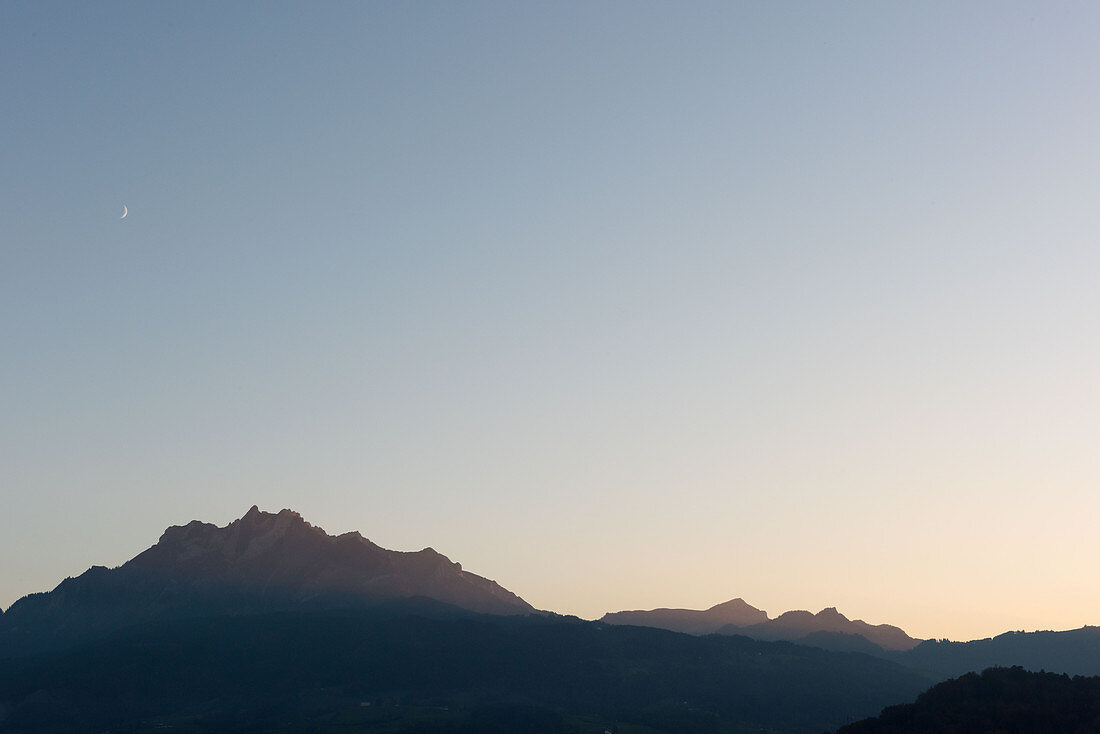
(620, 304)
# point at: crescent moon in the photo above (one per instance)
(125, 211)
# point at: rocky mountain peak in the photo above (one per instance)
(831, 614)
(737, 611)
(257, 516)
(259, 563)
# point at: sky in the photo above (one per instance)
(621, 304)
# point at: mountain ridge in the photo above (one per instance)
(791, 626)
(692, 621)
(307, 670)
(260, 562)
(798, 624)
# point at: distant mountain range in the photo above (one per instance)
(269, 562)
(828, 628)
(735, 613)
(374, 671)
(271, 620)
(261, 563)
(1076, 652)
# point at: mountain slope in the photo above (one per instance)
(260, 563)
(828, 628)
(1076, 652)
(1008, 700)
(692, 621)
(315, 670)
(797, 625)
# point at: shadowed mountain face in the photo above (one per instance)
(828, 628)
(311, 671)
(1076, 652)
(692, 621)
(261, 562)
(797, 625)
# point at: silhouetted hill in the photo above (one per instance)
(260, 563)
(1076, 652)
(691, 621)
(828, 628)
(798, 625)
(365, 671)
(1000, 700)
(842, 642)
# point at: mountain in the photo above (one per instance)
(691, 621)
(1003, 700)
(828, 629)
(360, 670)
(1076, 652)
(262, 562)
(842, 642)
(798, 625)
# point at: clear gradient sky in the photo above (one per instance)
(620, 304)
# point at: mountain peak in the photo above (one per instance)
(260, 562)
(256, 515)
(737, 603)
(736, 612)
(831, 613)
(738, 617)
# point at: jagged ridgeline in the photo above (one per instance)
(366, 671)
(828, 628)
(270, 623)
(262, 562)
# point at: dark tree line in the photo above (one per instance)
(998, 701)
